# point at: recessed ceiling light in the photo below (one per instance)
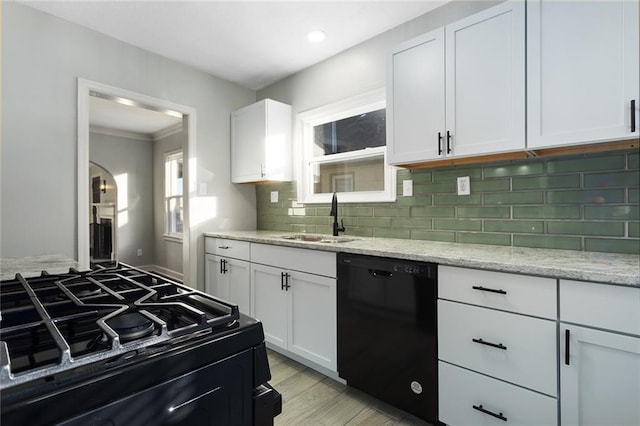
(316, 36)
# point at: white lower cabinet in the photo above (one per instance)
(227, 271)
(469, 398)
(600, 366)
(228, 279)
(297, 309)
(498, 356)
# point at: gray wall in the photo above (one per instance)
(133, 157)
(363, 67)
(42, 58)
(168, 253)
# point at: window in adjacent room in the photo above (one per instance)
(173, 194)
(344, 151)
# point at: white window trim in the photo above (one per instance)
(168, 235)
(305, 121)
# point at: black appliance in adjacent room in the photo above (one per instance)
(387, 331)
(121, 346)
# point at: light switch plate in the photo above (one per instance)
(464, 185)
(274, 196)
(407, 188)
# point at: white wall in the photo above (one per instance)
(42, 57)
(130, 162)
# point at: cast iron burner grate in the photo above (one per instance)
(55, 323)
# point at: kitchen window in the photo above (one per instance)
(173, 194)
(344, 150)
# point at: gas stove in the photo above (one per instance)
(127, 335)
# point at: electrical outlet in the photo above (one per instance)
(139, 252)
(407, 188)
(274, 196)
(464, 186)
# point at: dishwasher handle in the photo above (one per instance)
(379, 273)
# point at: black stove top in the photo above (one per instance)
(55, 323)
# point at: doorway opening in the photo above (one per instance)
(89, 92)
(103, 220)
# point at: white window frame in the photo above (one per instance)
(305, 122)
(169, 156)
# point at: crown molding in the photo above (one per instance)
(120, 133)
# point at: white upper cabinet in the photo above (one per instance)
(582, 72)
(459, 90)
(261, 143)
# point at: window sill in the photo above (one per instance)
(172, 238)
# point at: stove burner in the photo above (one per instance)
(131, 326)
(88, 293)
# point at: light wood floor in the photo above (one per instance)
(310, 398)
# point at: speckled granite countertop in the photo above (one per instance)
(32, 266)
(575, 265)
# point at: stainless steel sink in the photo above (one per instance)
(317, 238)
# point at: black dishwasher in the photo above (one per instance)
(387, 331)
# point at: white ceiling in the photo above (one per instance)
(251, 43)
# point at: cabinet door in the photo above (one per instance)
(485, 81)
(312, 318)
(600, 384)
(415, 100)
(269, 303)
(216, 282)
(248, 126)
(239, 284)
(582, 71)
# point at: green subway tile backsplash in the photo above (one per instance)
(613, 229)
(586, 163)
(544, 182)
(546, 212)
(509, 198)
(589, 196)
(611, 180)
(586, 202)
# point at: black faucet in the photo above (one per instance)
(334, 212)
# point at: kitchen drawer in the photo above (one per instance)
(521, 294)
(460, 390)
(605, 306)
(312, 261)
(530, 357)
(227, 248)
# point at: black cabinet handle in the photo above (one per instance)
(223, 247)
(491, 413)
(493, 345)
(287, 286)
(448, 142)
(633, 115)
(221, 263)
(284, 281)
(479, 287)
(224, 268)
(567, 339)
(439, 143)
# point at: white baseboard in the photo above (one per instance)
(165, 271)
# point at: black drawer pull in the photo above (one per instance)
(567, 340)
(492, 290)
(491, 413)
(224, 247)
(493, 345)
